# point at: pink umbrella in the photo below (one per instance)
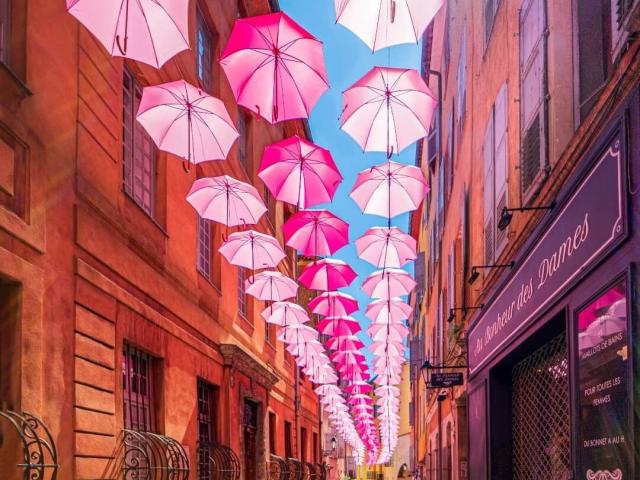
(251, 249)
(338, 326)
(388, 109)
(307, 346)
(316, 232)
(388, 283)
(392, 333)
(389, 189)
(383, 23)
(327, 274)
(298, 172)
(386, 247)
(270, 286)
(295, 334)
(275, 67)
(333, 304)
(286, 314)
(226, 200)
(385, 310)
(383, 347)
(187, 122)
(358, 387)
(147, 31)
(348, 357)
(346, 342)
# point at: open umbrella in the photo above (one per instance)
(388, 283)
(388, 310)
(295, 334)
(149, 31)
(271, 286)
(183, 120)
(383, 23)
(333, 304)
(286, 314)
(388, 109)
(344, 342)
(226, 200)
(338, 326)
(386, 247)
(389, 189)
(251, 249)
(298, 172)
(316, 232)
(275, 67)
(327, 274)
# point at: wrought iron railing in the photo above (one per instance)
(39, 455)
(296, 470)
(278, 468)
(146, 455)
(217, 462)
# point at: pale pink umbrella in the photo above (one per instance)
(389, 189)
(383, 347)
(348, 357)
(286, 314)
(295, 334)
(382, 333)
(388, 283)
(388, 109)
(386, 247)
(384, 23)
(324, 390)
(183, 120)
(346, 342)
(226, 200)
(338, 326)
(327, 274)
(306, 346)
(385, 310)
(333, 304)
(271, 286)
(251, 249)
(275, 67)
(358, 387)
(298, 172)
(149, 31)
(316, 232)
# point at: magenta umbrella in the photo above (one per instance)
(388, 283)
(389, 189)
(251, 249)
(338, 326)
(270, 286)
(149, 31)
(187, 122)
(316, 232)
(385, 310)
(333, 304)
(344, 342)
(388, 109)
(358, 387)
(226, 200)
(298, 172)
(386, 247)
(327, 274)
(275, 67)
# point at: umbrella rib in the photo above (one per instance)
(146, 22)
(295, 84)
(172, 20)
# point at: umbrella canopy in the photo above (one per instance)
(183, 120)
(149, 31)
(298, 172)
(338, 326)
(393, 333)
(386, 247)
(275, 67)
(383, 23)
(384, 347)
(346, 342)
(388, 310)
(316, 232)
(251, 249)
(286, 314)
(226, 200)
(304, 347)
(333, 304)
(388, 283)
(358, 387)
(271, 286)
(327, 274)
(389, 189)
(296, 334)
(388, 109)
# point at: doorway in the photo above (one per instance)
(250, 439)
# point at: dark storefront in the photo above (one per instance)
(551, 363)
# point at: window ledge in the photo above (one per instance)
(12, 89)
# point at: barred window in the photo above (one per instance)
(272, 433)
(207, 427)
(5, 30)
(138, 390)
(288, 452)
(138, 150)
(204, 51)
(204, 247)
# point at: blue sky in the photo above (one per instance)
(347, 59)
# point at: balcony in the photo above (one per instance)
(281, 468)
(217, 462)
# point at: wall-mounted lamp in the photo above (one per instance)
(475, 274)
(333, 443)
(507, 215)
(452, 311)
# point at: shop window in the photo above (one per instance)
(288, 451)
(207, 395)
(272, 433)
(138, 150)
(139, 390)
(204, 51)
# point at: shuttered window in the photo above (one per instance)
(242, 293)
(433, 141)
(532, 95)
(490, 9)
(5, 30)
(462, 82)
(243, 141)
(204, 247)
(447, 42)
(138, 150)
(204, 51)
(451, 278)
(440, 330)
(420, 276)
(440, 201)
(495, 167)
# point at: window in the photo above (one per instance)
(314, 455)
(243, 141)
(272, 433)
(204, 247)
(303, 444)
(10, 351)
(462, 82)
(451, 278)
(5, 30)
(447, 43)
(287, 440)
(242, 294)
(440, 202)
(207, 416)
(138, 390)
(450, 162)
(440, 331)
(490, 10)
(495, 162)
(433, 140)
(204, 51)
(532, 95)
(138, 150)
(268, 333)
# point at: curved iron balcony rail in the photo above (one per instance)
(218, 462)
(38, 448)
(296, 469)
(278, 468)
(151, 456)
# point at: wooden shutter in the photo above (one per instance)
(490, 9)
(5, 30)
(451, 149)
(440, 217)
(488, 195)
(440, 333)
(500, 161)
(462, 80)
(204, 247)
(532, 93)
(451, 283)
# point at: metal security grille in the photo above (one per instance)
(207, 415)
(540, 396)
(138, 390)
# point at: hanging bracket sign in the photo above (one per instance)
(448, 379)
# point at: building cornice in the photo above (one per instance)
(237, 359)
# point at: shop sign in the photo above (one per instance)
(444, 380)
(587, 224)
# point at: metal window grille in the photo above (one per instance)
(272, 433)
(623, 7)
(288, 451)
(204, 247)
(540, 415)
(138, 390)
(138, 150)
(5, 30)
(204, 48)
(242, 295)
(207, 415)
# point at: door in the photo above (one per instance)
(250, 430)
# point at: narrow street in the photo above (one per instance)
(319, 239)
